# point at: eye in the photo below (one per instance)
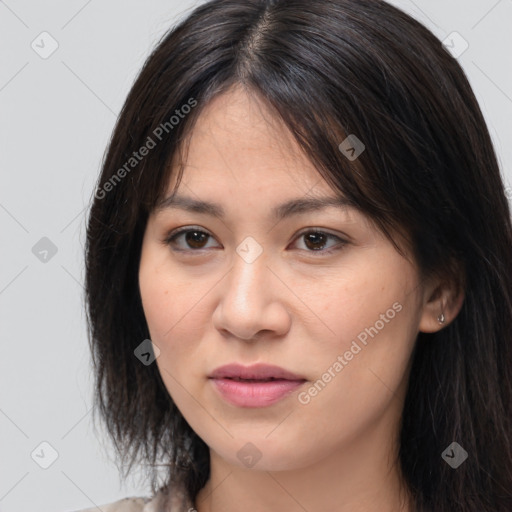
(315, 241)
(196, 239)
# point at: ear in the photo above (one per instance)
(442, 302)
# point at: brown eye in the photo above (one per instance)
(194, 239)
(316, 241)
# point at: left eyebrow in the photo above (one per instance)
(290, 208)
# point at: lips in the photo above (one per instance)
(254, 386)
(259, 372)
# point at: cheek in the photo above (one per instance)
(156, 303)
(170, 317)
(364, 372)
(373, 317)
(165, 298)
(175, 314)
(367, 302)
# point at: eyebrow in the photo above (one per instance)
(292, 207)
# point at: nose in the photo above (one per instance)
(252, 301)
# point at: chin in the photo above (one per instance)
(260, 454)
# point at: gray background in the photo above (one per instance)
(57, 114)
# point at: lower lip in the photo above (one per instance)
(255, 394)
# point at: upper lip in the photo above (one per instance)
(254, 372)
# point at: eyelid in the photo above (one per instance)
(342, 240)
(184, 229)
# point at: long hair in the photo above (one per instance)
(328, 69)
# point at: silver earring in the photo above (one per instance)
(441, 319)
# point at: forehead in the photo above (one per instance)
(237, 141)
(242, 161)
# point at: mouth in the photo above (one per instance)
(258, 372)
(255, 386)
(239, 379)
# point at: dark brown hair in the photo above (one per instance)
(328, 68)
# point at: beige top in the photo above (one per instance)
(172, 502)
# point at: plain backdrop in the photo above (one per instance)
(57, 113)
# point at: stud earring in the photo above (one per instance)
(441, 319)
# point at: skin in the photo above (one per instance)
(293, 307)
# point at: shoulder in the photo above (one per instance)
(175, 500)
(123, 505)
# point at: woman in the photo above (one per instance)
(299, 272)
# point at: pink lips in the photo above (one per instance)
(254, 386)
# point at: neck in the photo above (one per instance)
(363, 476)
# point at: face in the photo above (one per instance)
(318, 292)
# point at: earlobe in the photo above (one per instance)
(441, 308)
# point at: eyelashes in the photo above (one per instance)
(195, 238)
(171, 239)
